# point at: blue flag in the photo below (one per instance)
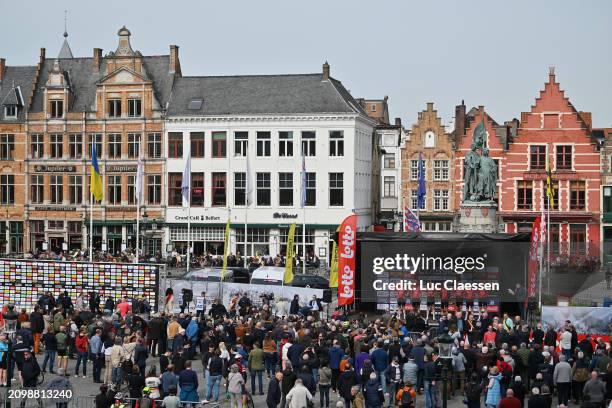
(422, 191)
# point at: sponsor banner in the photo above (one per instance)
(592, 321)
(347, 253)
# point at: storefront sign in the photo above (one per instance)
(54, 208)
(183, 218)
(44, 168)
(121, 209)
(284, 216)
(121, 169)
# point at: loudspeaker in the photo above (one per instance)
(327, 295)
(187, 295)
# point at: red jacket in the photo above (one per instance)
(82, 343)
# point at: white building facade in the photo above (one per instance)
(249, 147)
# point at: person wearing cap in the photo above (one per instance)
(118, 401)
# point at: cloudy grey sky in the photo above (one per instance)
(492, 53)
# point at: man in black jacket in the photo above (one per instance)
(215, 373)
(155, 333)
(37, 326)
(274, 391)
(30, 370)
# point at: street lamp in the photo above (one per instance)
(10, 327)
(445, 349)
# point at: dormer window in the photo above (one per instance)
(10, 112)
(114, 108)
(57, 109)
(134, 108)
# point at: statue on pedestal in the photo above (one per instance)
(480, 170)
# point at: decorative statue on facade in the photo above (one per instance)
(480, 170)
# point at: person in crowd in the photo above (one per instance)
(510, 401)
(274, 395)
(82, 349)
(299, 396)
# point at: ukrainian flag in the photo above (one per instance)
(95, 183)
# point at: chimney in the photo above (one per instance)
(398, 122)
(2, 68)
(429, 106)
(460, 119)
(42, 56)
(326, 71)
(97, 59)
(175, 64)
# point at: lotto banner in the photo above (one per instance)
(347, 248)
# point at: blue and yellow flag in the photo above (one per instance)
(95, 183)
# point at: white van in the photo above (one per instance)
(268, 275)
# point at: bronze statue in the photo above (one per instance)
(480, 171)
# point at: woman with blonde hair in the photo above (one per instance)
(235, 387)
(493, 388)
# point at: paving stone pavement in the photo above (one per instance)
(84, 388)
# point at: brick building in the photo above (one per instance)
(15, 93)
(116, 101)
(554, 130)
(429, 138)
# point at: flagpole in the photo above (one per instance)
(246, 208)
(189, 231)
(548, 245)
(137, 230)
(90, 225)
(304, 240)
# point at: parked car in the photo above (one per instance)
(310, 281)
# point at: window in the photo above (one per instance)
(154, 145)
(219, 144)
(537, 157)
(577, 238)
(440, 170)
(75, 144)
(430, 139)
(37, 146)
(76, 189)
(114, 108)
(134, 108)
(577, 195)
(175, 145)
(336, 143)
(7, 147)
(285, 144)
(16, 236)
(311, 189)
(97, 139)
(285, 189)
(309, 143)
(154, 188)
(440, 200)
(75, 227)
(57, 189)
(37, 189)
(414, 200)
(197, 189)
(389, 186)
(10, 112)
(37, 226)
(524, 195)
(57, 109)
(239, 188)
(263, 189)
(263, 144)
(55, 224)
(131, 189)
(257, 242)
(414, 169)
(389, 161)
(241, 143)
(56, 144)
(114, 189)
(555, 190)
(196, 140)
(133, 145)
(219, 196)
(7, 189)
(564, 157)
(336, 189)
(114, 145)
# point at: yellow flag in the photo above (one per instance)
(549, 186)
(225, 248)
(289, 258)
(333, 272)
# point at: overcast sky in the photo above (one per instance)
(492, 53)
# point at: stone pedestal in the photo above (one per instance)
(478, 216)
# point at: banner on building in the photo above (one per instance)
(333, 272)
(289, 255)
(225, 248)
(347, 252)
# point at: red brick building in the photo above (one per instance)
(554, 130)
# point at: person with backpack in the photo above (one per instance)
(406, 395)
(473, 392)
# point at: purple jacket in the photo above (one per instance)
(359, 360)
